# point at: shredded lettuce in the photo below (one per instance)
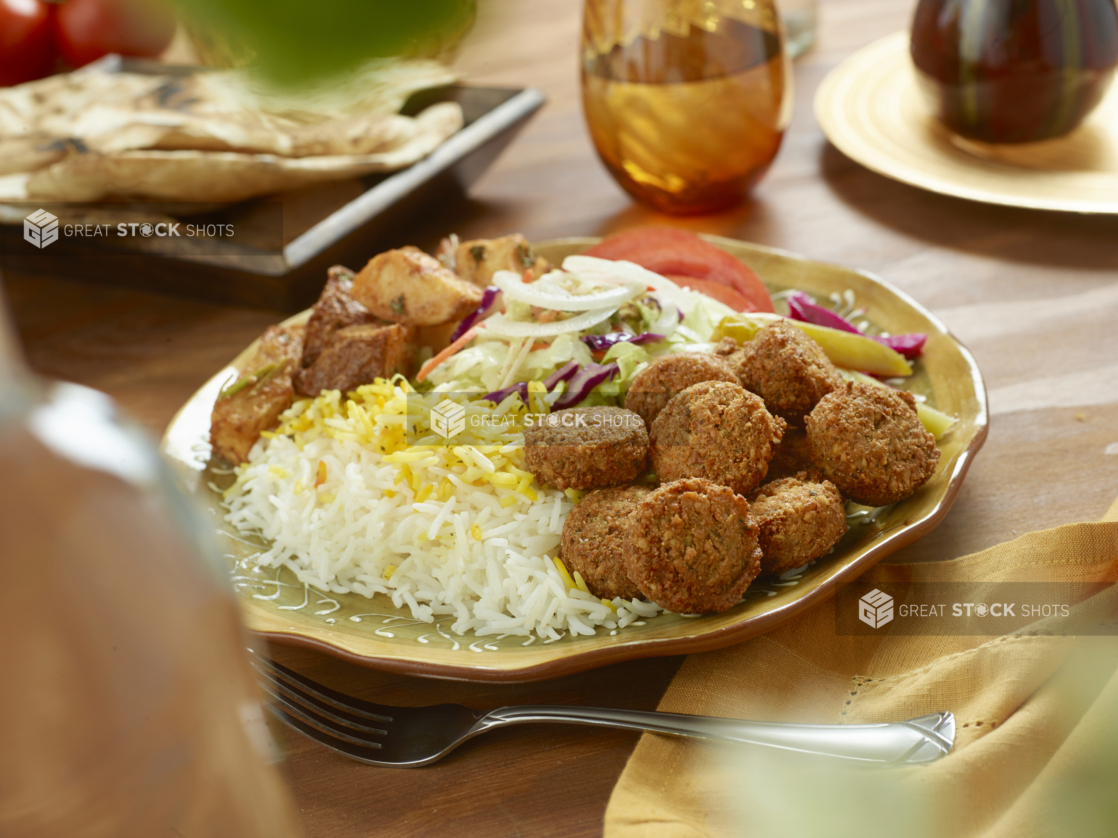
(705, 315)
(517, 310)
(564, 349)
(636, 316)
(480, 367)
(630, 359)
(476, 367)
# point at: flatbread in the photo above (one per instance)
(97, 133)
(227, 176)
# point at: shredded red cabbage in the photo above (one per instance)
(801, 308)
(562, 374)
(469, 320)
(910, 345)
(498, 396)
(600, 343)
(586, 380)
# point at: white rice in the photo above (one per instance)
(363, 531)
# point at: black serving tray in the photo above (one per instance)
(331, 223)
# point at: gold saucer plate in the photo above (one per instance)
(872, 110)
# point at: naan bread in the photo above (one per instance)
(210, 136)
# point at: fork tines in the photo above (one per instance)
(338, 721)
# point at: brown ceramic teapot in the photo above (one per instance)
(1013, 71)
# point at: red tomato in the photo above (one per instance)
(89, 29)
(26, 48)
(687, 259)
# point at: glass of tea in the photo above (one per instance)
(686, 100)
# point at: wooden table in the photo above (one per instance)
(1034, 296)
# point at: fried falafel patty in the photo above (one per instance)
(800, 518)
(593, 540)
(789, 370)
(667, 375)
(733, 353)
(692, 547)
(870, 443)
(718, 431)
(793, 455)
(586, 447)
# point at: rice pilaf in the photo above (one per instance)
(357, 494)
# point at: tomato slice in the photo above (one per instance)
(687, 259)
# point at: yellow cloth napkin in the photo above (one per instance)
(1036, 747)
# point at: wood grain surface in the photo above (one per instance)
(1034, 295)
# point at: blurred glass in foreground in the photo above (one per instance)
(1050, 771)
(293, 43)
(686, 100)
(128, 707)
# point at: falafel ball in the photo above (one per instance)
(667, 375)
(593, 540)
(586, 447)
(870, 443)
(793, 455)
(733, 353)
(691, 547)
(718, 431)
(800, 519)
(789, 370)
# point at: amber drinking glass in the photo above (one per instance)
(686, 100)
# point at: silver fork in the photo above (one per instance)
(407, 737)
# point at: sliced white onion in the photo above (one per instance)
(554, 298)
(500, 324)
(631, 271)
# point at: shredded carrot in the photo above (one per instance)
(546, 316)
(538, 345)
(453, 349)
(527, 276)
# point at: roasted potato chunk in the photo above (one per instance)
(408, 286)
(357, 355)
(334, 310)
(476, 261)
(260, 394)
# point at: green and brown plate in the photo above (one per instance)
(373, 633)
